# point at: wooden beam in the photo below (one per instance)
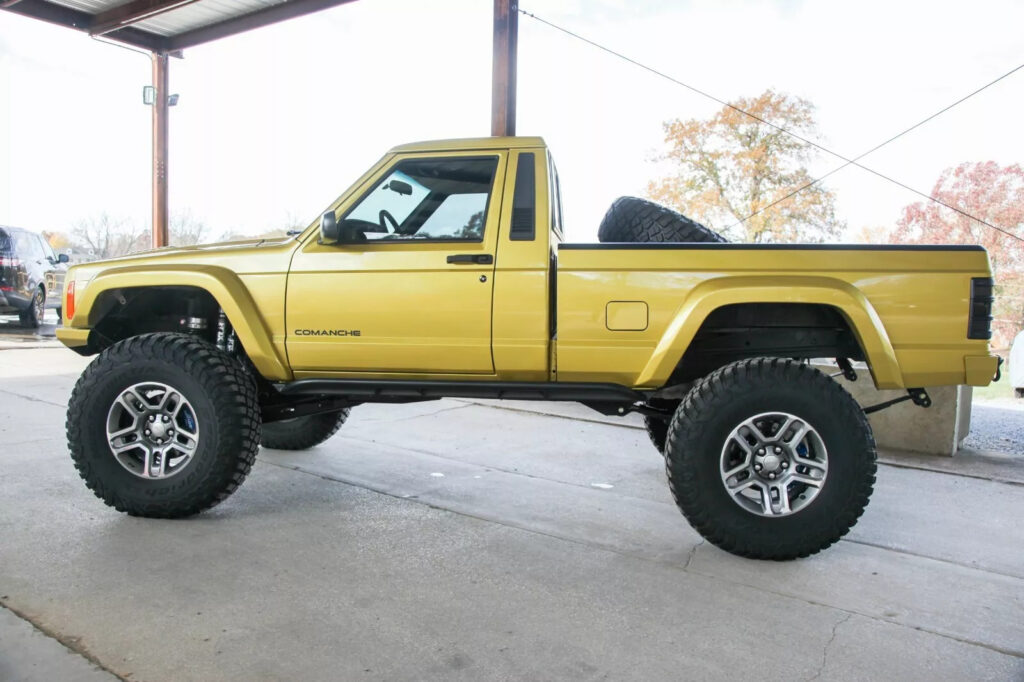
(160, 131)
(503, 68)
(131, 13)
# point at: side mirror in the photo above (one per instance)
(329, 232)
(62, 258)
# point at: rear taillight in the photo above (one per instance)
(8, 262)
(979, 324)
(69, 305)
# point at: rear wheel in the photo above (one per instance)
(770, 459)
(302, 433)
(163, 425)
(33, 316)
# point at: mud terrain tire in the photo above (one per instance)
(124, 383)
(303, 433)
(826, 468)
(631, 219)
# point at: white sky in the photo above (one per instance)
(273, 124)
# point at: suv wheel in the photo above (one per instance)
(33, 317)
(770, 459)
(163, 425)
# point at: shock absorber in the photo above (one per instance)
(194, 323)
(225, 333)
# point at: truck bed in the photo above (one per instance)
(627, 312)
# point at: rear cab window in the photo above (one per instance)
(555, 199)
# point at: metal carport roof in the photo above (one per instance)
(165, 26)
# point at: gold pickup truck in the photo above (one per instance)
(442, 273)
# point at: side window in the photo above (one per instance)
(555, 199)
(28, 246)
(427, 199)
(47, 251)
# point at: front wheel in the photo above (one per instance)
(302, 433)
(163, 425)
(770, 459)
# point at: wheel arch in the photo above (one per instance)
(106, 293)
(854, 309)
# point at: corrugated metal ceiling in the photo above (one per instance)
(165, 25)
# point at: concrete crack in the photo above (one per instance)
(693, 553)
(828, 644)
(72, 644)
(31, 398)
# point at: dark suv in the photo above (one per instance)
(31, 275)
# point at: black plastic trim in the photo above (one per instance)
(979, 323)
(702, 246)
(524, 201)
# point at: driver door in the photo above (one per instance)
(413, 294)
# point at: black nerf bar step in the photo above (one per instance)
(364, 390)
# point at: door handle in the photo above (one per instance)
(471, 258)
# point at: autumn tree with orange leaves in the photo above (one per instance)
(732, 166)
(995, 194)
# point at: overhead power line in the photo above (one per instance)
(891, 139)
(848, 161)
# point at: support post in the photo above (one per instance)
(503, 71)
(160, 109)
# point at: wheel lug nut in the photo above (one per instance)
(757, 467)
(165, 417)
(785, 465)
(760, 451)
(148, 432)
(777, 449)
(771, 475)
(152, 418)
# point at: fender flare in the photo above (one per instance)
(715, 293)
(222, 284)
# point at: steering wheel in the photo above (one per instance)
(384, 217)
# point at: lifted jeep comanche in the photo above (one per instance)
(441, 273)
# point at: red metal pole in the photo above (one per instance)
(160, 109)
(503, 71)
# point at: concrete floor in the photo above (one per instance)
(454, 540)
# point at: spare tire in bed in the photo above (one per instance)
(631, 219)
